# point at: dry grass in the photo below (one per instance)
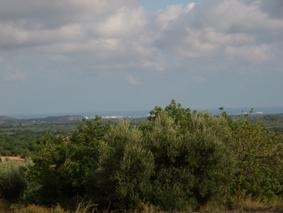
(86, 207)
(4, 205)
(34, 209)
(245, 206)
(83, 207)
(212, 207)
(259, 205)
(11, 158)
(148, 208)
(39, 209)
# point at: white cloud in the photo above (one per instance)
(220, 28)
(120, 33)
(252, 53)
(172, 13)
(125, 22)
(236, 15)
(208, 42)
(11, 35)
(133, 81)
(274, 8)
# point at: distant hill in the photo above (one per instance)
(6, 118)
(62, 119)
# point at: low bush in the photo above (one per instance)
(12, 181)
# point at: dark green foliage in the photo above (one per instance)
(178, 160)
(115, 171)
(127, 169)
(259, 160)
(21, 144)
(65, 166)
(89, 131)
(23, 140)
(12, 182)
(192, 162)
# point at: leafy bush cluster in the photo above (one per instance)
(12, 181)
(177, 160)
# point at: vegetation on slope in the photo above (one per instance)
(178, 159)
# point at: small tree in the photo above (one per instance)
(127, 170)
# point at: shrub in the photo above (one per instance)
(12, 181)
(259, 160)
(192, 164)
(177, 160)
(127, 170)
(65, 168)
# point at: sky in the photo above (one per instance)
(62, 56)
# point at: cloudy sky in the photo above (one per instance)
(93, 55)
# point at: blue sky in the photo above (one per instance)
(112, 55)
(158, 4)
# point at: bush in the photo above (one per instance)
(65, 168)
(127, 170)
(259, 160)
(177, 160)
(192, 163)
(12, 181)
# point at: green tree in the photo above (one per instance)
(192, 163)
(125, 178)
(65, 167)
